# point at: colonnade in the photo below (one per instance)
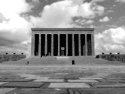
(63, 44)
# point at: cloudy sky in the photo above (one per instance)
(106, 16)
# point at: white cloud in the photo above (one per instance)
(11, 10)
(60, 14)
(79, 2)
(14, 27)
(105, 19)
(111, 40)
(120, 1)
(98, 0)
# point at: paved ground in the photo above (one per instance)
(90, 76)
(87, 79)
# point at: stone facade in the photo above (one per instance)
(62, 42)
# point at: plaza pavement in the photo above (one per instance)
(87, 78)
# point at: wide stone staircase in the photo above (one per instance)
(88, 60)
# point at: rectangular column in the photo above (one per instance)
(93, 46)
(33, 45)
(58, 44)
(86, 42)
(89, 44)
(73, 52)
(66, 44)
(79, 45)
(52, 45)
(45, 44)
(39, 45)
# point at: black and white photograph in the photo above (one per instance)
(62, 46)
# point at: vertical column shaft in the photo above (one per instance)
(52, 45)
(86, 48)
(33, 45)
(93, 46)
(73, 52)
(39, 45)
(58, 44)
(66, 44)
(79, 45)
(45, 44)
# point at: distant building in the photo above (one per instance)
(62, 42)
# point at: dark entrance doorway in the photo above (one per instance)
(62, 44)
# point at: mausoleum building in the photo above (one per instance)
(62, 42)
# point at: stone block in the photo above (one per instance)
(15, 80)
(112, 80)
(49, 80)
(5, 90)
(36, 77)
(100, 91)
(22, 85)
(37, 91)
(90, 78)
(116, 76)
(1, 83)
(110, 85)
(69, 85)
(83, 81)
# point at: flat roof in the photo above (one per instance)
(62, 29)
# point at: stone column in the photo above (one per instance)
(33, 44)
(58, 44)
(66, 44)
(52, 45)
(86, 47)
(39, 45)
(73, 52)
(93, 46)
(79, 45)
(45, 44)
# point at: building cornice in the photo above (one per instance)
(62, 29)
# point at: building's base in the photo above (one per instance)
(65, 61)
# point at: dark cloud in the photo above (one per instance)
(13, 36)
(6, 42)
(38, 6)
